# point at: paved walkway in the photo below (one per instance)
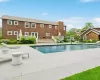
(49, 66)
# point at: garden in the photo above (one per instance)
(22, 40)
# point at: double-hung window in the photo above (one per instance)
(50, 26)
(9, 22)
(9, 32)
(47, 34)
(55, 27)
(26, 34)
(15, 32)
(15, 22)
(27, 25)
(33, 25)
(42, 25)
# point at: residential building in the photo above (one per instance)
(12, 25)
(92, 33)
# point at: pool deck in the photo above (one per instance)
(49, 66)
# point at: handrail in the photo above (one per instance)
(54, 39)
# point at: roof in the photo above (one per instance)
(98, 29)
(93, 29)
(28, 20)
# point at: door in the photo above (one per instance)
(99, 37)
(35, 34)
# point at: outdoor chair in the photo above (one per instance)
(4, 45)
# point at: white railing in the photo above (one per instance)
(54, 39)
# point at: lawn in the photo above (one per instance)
(92, 74)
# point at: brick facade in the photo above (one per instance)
(41, 31)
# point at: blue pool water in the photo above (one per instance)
(62, 48)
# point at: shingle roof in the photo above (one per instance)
(28, 20)
(98, 29)
(95, 29)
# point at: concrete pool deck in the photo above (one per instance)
(49, 66)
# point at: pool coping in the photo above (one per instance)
(37, 45)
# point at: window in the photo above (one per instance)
(9, 22)
(15, 32)
(47, 34)
(9, 32)
(33, 25)
(64, 28)
(50, 26)
(26, 34)
(42, 25)
(55, 27)
(15, 22)
(27, 25)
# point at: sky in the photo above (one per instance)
(74, 13)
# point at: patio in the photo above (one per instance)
(49, 66)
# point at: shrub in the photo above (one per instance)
(28, 40)
(1, 37)
(86, 41)
(66, 40)
(94, 41)
(81, 40)
(12, 41)
(4, 40)
(8, 41)
(90, 41)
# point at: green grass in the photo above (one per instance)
(92, 74)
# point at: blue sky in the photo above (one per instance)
(74, 13)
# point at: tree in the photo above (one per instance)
(87, 26)
(74, 32)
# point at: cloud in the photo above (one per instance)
(4, 0)
(44, 14)
(73, 19)
(89, 0)
(97, 19)
(73, 22)
(79, 22)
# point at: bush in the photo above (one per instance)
(86, 41)
(66, 40)
(8, 41)
(94, 41)
(4, 40)
(12, 41)
(1, 37)
(27, 40)
(90, 41)
(81, 40)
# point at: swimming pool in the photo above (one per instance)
(61, 48)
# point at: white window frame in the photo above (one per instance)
(42, 25)
(47, 34)
(64, 28)
(9, 21)
(50, 26)
(15, 22)
(27, 23)
(56, 27)
(8, 32)
(26, 33)
(15, 32)
(32, 24)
